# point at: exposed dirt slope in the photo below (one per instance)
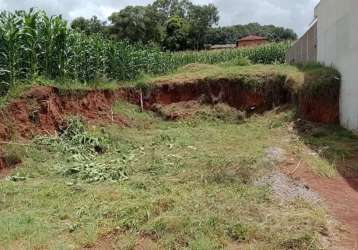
(233, 92)
(246, 94)
(43, 109)
(323, 109)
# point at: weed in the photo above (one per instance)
(81, 150)
(239, 232)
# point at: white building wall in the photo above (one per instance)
(337, 39)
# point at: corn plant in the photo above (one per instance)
(10, 50)
(33, 44)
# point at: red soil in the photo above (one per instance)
(43, 109)
(341, 196)
(3, 164)
(319, 109)
(216, 91)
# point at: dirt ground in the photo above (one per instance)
(341, 196)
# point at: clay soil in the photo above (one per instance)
(43, 110)
(341, 196)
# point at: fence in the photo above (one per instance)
(305, 49)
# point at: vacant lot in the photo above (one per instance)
(189, 184)
(212, 179)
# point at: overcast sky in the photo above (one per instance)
(295, 14)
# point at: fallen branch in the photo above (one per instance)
(296, 168)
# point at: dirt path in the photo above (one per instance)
(341, 196)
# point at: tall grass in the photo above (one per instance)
(33, 44)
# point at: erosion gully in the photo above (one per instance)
(43, 110)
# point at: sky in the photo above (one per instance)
(294, 14)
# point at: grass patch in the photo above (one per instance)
(327, 146)
(190, 186)
(308, 79)
(132, 112)
(204, 71)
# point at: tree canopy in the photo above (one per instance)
(137, 24)
(230, 34)
(88, 26)
(176, 25)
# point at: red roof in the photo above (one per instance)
(252, 38)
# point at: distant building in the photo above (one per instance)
(222, 46)
(251, 41)
(248, 41)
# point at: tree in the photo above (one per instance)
(88, 26)
(172, 8)
(177, 33)
(137, 24)
(201, 19)
(230, 34)
(174, 24)
(180, 25)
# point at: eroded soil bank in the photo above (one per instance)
(43, 109)
(245, 97)
(232, 92)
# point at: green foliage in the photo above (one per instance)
(274, 53)
(75, 139)
(174, 24)
(201, 18)
(239, 232)
(320, 80)
(171, 8)
(88, 26)
(178, 25)
(177, 30)
(240, 61)
(230, 34)
(81, 150)
(137, 24)
(33, 44)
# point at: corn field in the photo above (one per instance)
(274, 53)
(33, 45)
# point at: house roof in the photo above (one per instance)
(252, 38)
(223, 46)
